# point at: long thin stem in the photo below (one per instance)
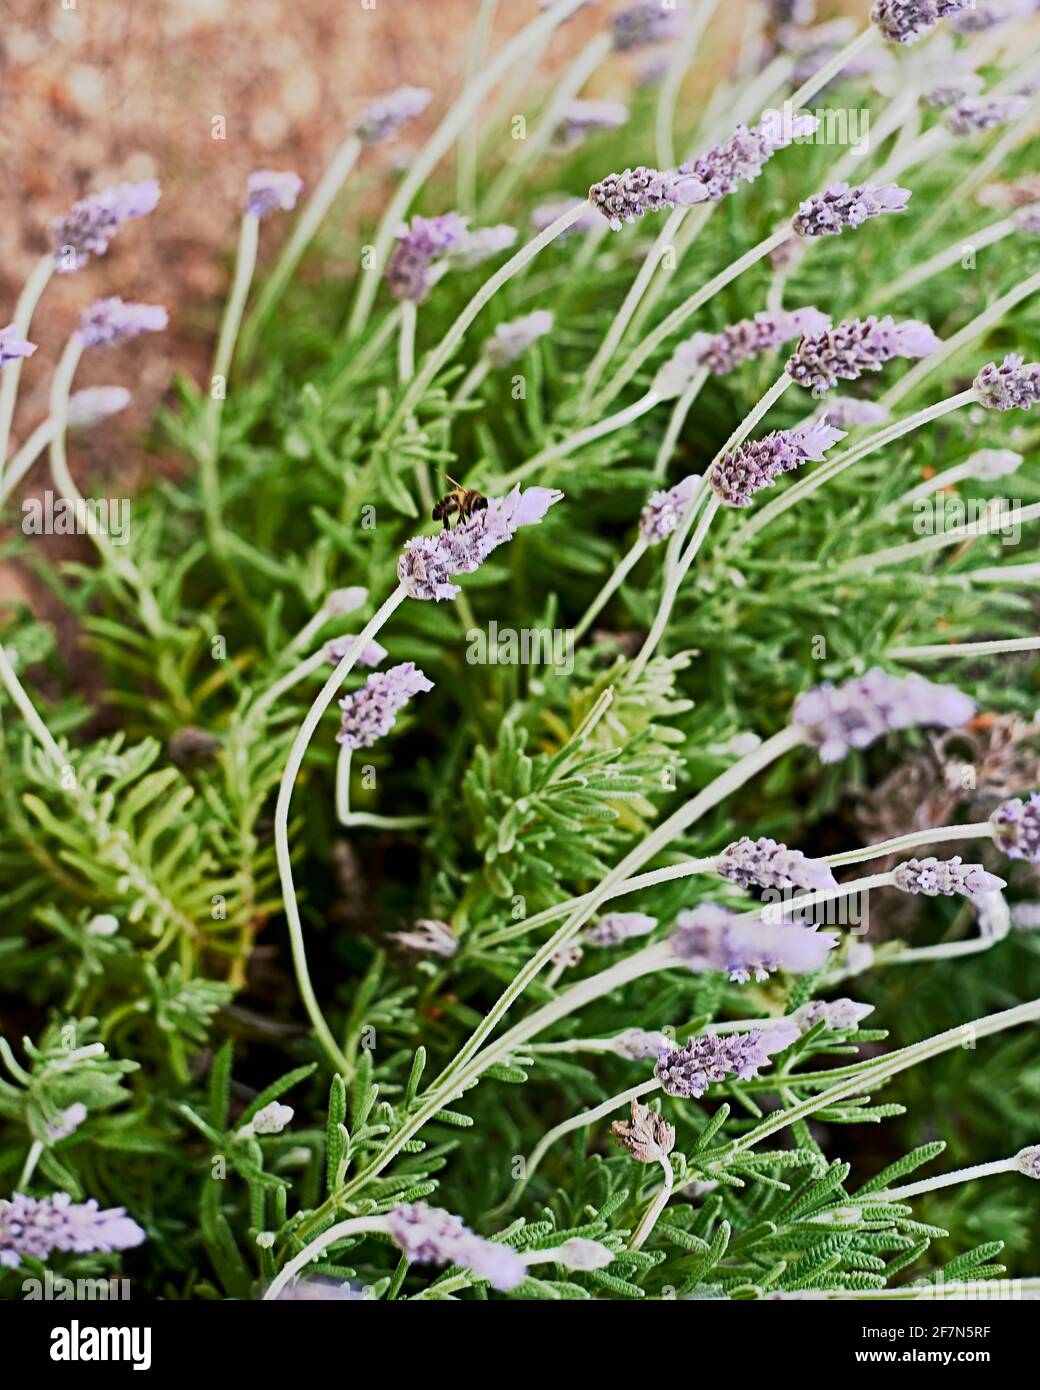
(942, 260)
(34, 287)
(963, 649)
(573, 442)
(676, 421)
(294, 761)
(26, 708)
(617, 577)
(441, 141)
(312, 215)
(685, 310)
(683, 56)
(346, 816)
(834, 65)
(25, 458)
(245, 265)
(915, 1189)
(449, 344)
(913, 550)
(656, 1207)
(354, 1226)
(595, 53)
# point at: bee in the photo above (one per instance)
(460, 501)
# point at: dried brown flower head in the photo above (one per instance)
(647, 1136)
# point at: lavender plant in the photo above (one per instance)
(399, 907)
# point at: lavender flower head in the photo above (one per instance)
(710, 938)
(848, 413)
(372, 653)
(269, 190)
(639, 1045)
(35, 1226)
(12, 348)
(663, 511)
(93, 404)
(990, 464)
(1016, 828)
(934, 877)
(428, 937)
(582, 118)
(838, 718)
(481, 245)
(972, 114)
(109, 322)
(720, 170)
(615, 927)
(742, 472)
(381, 119)
(1014, 385)
(766, 864)
(904, 21)
(953, 89)
(1027, 1161)
(419, 244)
(511, 340)
(724, 352)
(855, 346)
(370, 713)
(429, 1235)
(1027, 219)
(647, 1135)
(647, 22)
(987, 14)
(690, 1070)
(429, 562)
(839, 206)
(625, 197)
(89, 225)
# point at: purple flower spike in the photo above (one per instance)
(738, 475)
(615, 927)
(89, 225)
(624, 197)
(1014, 385)
(1016, 828)
(109, 322)
(943, 878)
(690, 1070)
(369, 713)
(973, 114)
(710, 938)
(646, 22)
(835, 1014)
(766, 864)
(418, 246)
(662, 513)
(724, 352)
(511, 340)
(429, 1235)
(34, 1226)
(856, 346)
(838, 718)
(904, 21)
(987, 14)
(381, 119)
(12, 349)
(838, 207)
(741, 158)
(429, 562)
(269, 191)
(93, 404)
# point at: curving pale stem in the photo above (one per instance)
(574, 442)
(346, 816)
(26, 708)
(353, 1226)
(25, 458)
(124, 569)
(915, 1189)
(880, 1069)
(962, 649)
(943, 260)
(34, 287)
(311, 217)
(830, 468)
(951, 346)
(656, 1207)
(245, 265)
(592, 56)
(618, 575)
(684, 55)
(294, 761)
(449, 344)
(675, 320)
(676, 421)
(914, 550)
(834, 65)
(441, 141)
